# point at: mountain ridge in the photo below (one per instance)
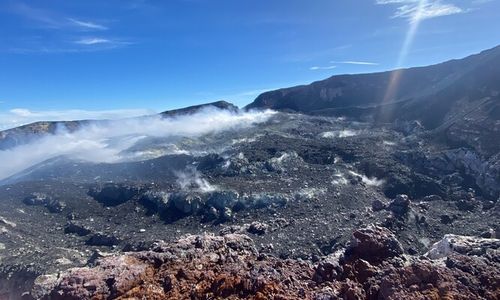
(328, 93)
(23, 134)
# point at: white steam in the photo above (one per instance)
(338, 134)
(106, 142)
(191, 179)
(371, 181)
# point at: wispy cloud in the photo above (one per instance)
(93, 41)
(87, 25)
(98, 43)
(354, 62)
(65, 33)
(416, 10)
(20, 116)
(315, 68)
(44, 17)
(51, 19)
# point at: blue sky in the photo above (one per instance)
(64, 59)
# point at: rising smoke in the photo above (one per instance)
(191, 179)
(105, 142)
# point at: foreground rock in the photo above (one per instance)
(207, 267)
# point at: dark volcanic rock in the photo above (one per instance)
(258, 228)
(378, 205)
(374, 244)
(102, 239)
(327, 270)
(156, 201)
(77, 228)
(400, 205)
(114, 194)
(211, 205)
(431, 198)
(467, 204)
(41, 199)
(446, 219)
(56, 206)
(37, 199)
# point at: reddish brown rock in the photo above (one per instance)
(229, 267)
(374, 244)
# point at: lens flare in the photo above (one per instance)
(396, 75)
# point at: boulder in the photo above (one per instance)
(114, 194)
(102, 239)
(400, 205)
(465, 245)
(327, 269)
(432, 198)
(56, 206)
(378, 205)
(186, 203)
(373, 244)
(77, 228)
(258, 228)
(41, 199)
(156, 201)
(37, 199)
(222, 199)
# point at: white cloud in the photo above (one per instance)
(93, 41)
(21, 112)
(354, 62)
(21, 116)
(108, 142)
(51, 19)
(315, 68)
(98, 43)
(54, 20)
(87, 25)
(417, 10)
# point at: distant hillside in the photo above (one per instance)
(458, 98)
(23, 134)
(195, 108)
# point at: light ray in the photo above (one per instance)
(395, 78)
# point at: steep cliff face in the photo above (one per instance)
(460, 98)
(404, 93)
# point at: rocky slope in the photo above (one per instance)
(373, 266)
(458, 99)
(274, 209)
(298, 185)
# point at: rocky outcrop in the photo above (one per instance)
(229, 266)
(41, 199)
(485, 172)
(114, 194)
(213, 205)
(465, 245)
(400, 205)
